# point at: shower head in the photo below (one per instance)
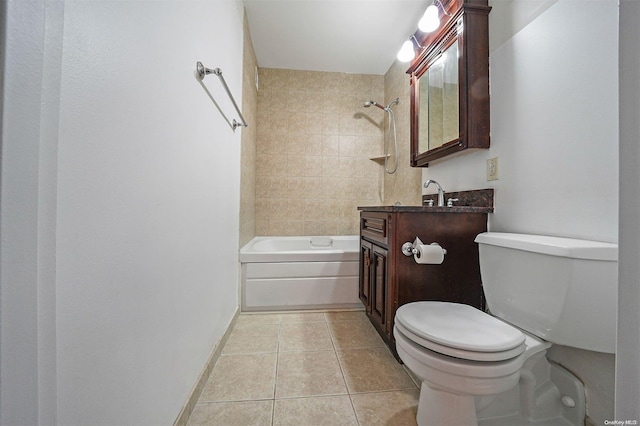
(372, 103)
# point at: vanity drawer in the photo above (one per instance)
(375, 226)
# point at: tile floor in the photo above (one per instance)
(307, 368)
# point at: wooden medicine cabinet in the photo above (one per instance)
(449, 81)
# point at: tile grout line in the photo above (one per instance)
(335, 351)
(275, 378)
(334, 348)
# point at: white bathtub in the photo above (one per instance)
(287, 273)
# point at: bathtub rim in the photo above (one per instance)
(320, 254)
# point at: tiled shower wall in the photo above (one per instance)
(404, 186)
(313, 149)
(248, 151)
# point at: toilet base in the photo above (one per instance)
(439, 408)
(546, 394)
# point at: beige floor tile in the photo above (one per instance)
(245, 320)
(303, 317)
(258, 413)
(309, 374)
(332, 410)
(354, 334)
(373, 369)
(346, 316)
(252, 339)
(386, 408)
(301, 370)
(304, 336)
(241, 378)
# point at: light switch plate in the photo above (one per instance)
(492, 168)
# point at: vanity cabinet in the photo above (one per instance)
(374, 264)
(388, 279)
(373, 280)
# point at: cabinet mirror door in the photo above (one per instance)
(439, 119)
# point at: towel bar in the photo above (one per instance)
(202, 72)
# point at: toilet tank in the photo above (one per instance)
(562, 290)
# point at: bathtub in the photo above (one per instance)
(291, 273)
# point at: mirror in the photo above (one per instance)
(450, 84)
(439, 118)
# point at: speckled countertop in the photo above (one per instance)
(425, 209)
(473, 201)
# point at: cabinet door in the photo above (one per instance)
(364, 290)
(378, 280)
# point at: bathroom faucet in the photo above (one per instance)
(440, 191)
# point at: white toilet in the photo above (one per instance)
(486, 369)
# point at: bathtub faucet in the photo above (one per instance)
(440, 191)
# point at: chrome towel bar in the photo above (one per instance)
(202, 72)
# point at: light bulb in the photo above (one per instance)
(430, 20)
(406, 52)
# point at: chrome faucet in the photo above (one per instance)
(440, 191)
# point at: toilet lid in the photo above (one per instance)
(459, 326)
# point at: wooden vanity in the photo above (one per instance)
(388, 279)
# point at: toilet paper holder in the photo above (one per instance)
(409, 248)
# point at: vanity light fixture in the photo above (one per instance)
(407, 51)
(429, 22)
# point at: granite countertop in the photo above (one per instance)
(425, 209)
(473, 201)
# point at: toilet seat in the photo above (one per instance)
(460, 331)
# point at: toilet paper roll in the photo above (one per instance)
(431, 254)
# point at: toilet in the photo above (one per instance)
(491, 368)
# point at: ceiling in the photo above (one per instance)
(352, 36)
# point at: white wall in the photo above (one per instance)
(554, 129)
(120, 199)
(27, 272)
(628, 358)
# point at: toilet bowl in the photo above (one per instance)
(453, 376)
(477, 368)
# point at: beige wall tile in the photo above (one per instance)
(312, 165)
(311, 126)
(405, 185)
(330, 145)
(248, 151)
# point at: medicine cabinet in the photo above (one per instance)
(450, 83)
